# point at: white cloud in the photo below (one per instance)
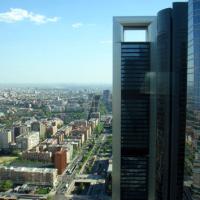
(80, 24)
(18, 14)
(77, 25)
(106, 42)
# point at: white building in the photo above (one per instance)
(28, 141)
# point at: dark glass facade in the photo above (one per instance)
(163, 102)
(194, 54)
(193, 73)
(171, 101)
(193, 90)
(135, 65)
(149, 107)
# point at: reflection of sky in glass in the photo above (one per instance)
(196, 53)
(193, 71)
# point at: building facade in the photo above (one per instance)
(171, 100)
(149, 100)
(35, 176)
(27, 141)
(60, 161)
(193, 91)
(5, 138)
(43, 156)
(131, 109)
(106, 96)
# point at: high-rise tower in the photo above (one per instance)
(193, 91)
(171, 101)
(131, 108)
(149, 98)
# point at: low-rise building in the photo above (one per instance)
(79, 123)
(35, 176)
(73, 106)
(59, 136)
(7, 197)
(58, 122)
(49, 141)
(67, 129)
(43, 156)
(27, 141)
(19, 129)
(51, 130)
(77, 134)
(76, 143)
(35, 126)
(196, 180)
(96, 115)
(93, 123)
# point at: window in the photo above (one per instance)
(134, 35)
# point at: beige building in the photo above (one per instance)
(43, 130)
(93, 123)
(78, 123)
(35, 176)
(51, 130)
(43, 156)
(58, 122)
(28, 141)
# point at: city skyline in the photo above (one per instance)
(72, 40)
(100, 99)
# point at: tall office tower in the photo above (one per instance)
(171, 100)
(131, 109)
(193, 90)
(149, 97)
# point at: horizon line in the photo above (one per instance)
(55, 83)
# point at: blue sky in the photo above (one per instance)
(62, 41)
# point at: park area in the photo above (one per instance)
(7, 159)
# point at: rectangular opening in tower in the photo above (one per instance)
(135, 35)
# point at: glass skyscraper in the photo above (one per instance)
(193, 91)
(171, 100)
(131, 103)
(149, 102)
(135, 101)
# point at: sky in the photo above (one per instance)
(62, 41)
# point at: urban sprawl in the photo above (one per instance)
(55, 143)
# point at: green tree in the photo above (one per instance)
(189, 158)
(43, 191)
(16, 153)
(102, 108)
(6, 185)
(99, 128)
